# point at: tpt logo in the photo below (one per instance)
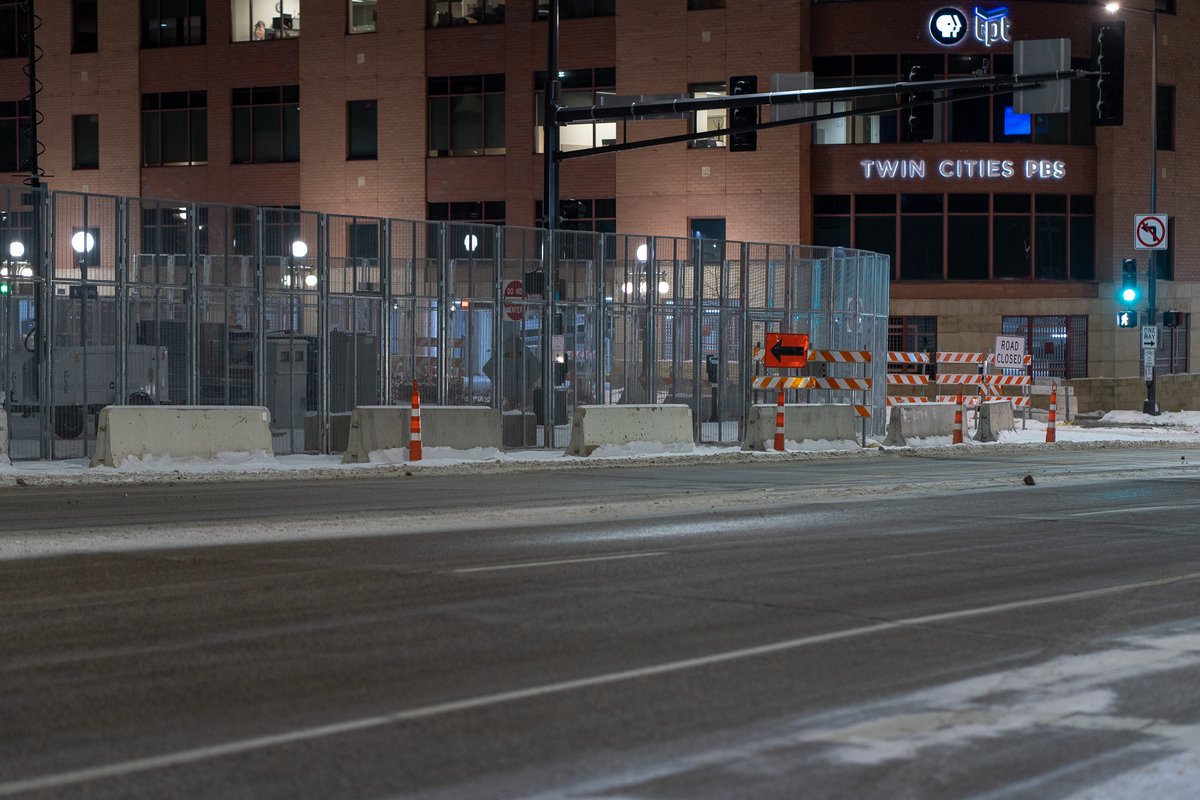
(948, 26)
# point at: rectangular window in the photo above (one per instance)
(172, 23)
(362, 16)
(1050, 237)
(266, 124)
(1172, 355)
(12, 29)
(466, 115)
(174, 128)
(921, 237)
(579, 88)
(913, 335)
(1012, 245)
(1057, 343)
(261, 20)
(86, 128)
(967, 243)
(598, 215)
(84, 26)
(453, 13)
(713, 120)
(705, 5)
(361, 130)
(465, 240)
(831, 220)
(14, 136)
(578, 9)
(1165, 113)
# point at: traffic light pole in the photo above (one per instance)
(1151, 404)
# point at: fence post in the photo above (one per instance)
(46, 255)
(323, 389)
(260, 313)
(498, 321)
(698, 362)
(385, 311)
(121, 251)
(192, 390)
(443, 312)
(601, 319)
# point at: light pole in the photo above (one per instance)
(1150, 406)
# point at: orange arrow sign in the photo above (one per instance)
(788, 350)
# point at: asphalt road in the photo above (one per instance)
(883, 627)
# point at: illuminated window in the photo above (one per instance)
(452, 13)
(362, 16)
(711, 120)
(262, 20)
(580, 88)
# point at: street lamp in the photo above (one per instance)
(1150, 406)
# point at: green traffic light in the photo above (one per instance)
(1128, 294)
(3, 288)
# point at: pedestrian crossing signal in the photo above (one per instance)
(1127, 319)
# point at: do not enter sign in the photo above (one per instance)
(514, 290)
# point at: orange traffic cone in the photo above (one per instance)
(414, 425)
(1053, 409)
(779, 423)
(956, 433)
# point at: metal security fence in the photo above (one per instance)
(117, 300)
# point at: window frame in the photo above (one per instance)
(81, 138)
(364, 151)
(189, 30)
(154, 117)
(365, 27)
(85, 38)
(447, 90)
(256, 98)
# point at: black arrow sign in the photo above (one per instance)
(781, 351)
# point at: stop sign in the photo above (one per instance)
(514, 290)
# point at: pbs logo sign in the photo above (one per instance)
(948, 26)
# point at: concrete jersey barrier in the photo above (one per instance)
(180, 431)
(596, 426)
(801, 421)
(994, 416)
(918, 422)
(386, 428)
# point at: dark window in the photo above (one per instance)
(1050, 237)
(266, 124)
(921, 237)
(361, 127)
(170, 23)
(877, 234)
(174, 128)
(14, 136)
(967, 243)
(1172, 355)
(1011, 246)
(84, 26)
(165, 229)
(466, 115)
(465, 239)
(705, 5)
(13, 22)
(831, 220)
(598, 215)
(448, 13)
(578, 9)
(1165, 112)
(1057, 343)
(87, 141)
(912, 335)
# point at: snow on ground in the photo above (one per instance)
(1115, 428)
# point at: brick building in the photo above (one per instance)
(430, 109)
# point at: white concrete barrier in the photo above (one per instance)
(597, 426)
(918, 421)
(180, 431)
(801, 421)
(994, 416)
(386, 428)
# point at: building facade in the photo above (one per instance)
(996, 223)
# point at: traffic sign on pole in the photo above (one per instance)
(1150, 232)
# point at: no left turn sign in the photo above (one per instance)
(1150, 232)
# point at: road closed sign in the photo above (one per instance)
(1010, 351)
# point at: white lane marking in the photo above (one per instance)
(557, 562)
(1136, 510)
(239, 747)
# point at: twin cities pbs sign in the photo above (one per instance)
(989, 26)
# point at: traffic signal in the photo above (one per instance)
(920, 113)
(1127, 319)
(1108, 58)
(1172, 319)
(1129, 282)
(746, 115)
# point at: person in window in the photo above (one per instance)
(260, 31)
